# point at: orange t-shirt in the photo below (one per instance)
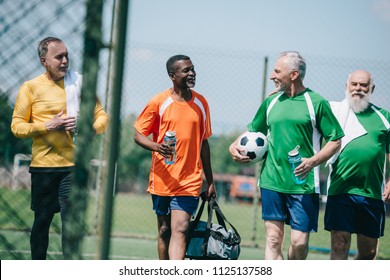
(191, 122)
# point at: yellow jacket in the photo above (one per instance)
(38, 101)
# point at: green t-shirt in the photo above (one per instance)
(359, 169)
(289, 125)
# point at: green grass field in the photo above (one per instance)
(134, 230)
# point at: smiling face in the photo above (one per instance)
(184, 76)
(358, 84)
(56, 60)
(359, 90)
(281, 75)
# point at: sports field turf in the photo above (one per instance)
(134, 230)
(125, 249)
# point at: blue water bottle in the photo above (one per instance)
(75, 132)
(294, 158)
(170, 139)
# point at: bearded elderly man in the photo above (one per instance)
(356, 185)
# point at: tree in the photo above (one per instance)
(221, 159)
(9, 144)
(133, 162)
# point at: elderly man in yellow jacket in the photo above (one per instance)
(46, 110)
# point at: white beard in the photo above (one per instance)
(358, 105)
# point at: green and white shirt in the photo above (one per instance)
(360, 166)
(303, 120)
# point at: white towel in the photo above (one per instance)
(72, 82)
(348, 122)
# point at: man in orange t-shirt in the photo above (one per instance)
(175, 188)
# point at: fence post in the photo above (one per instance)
(258, 165)
(76, 226)
(118, 45)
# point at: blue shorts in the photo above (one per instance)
(300, 211)
(163, 205)
(355, 214)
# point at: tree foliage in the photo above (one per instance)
(134, 161)
(221, 159)
(9, 144)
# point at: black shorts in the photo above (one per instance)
(355, 214)
(50, 190)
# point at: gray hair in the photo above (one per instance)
(295, 61)
(42, 46)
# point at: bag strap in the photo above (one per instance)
(195, 223)
(213, 206)
(200, 212)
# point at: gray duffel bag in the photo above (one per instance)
(210, 241)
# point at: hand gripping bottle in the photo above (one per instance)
(170, 139)
(294, 158)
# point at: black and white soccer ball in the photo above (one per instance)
(254, 144)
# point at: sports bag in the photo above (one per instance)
(208, 241)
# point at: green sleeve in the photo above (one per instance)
(327, 122)
(259, 122)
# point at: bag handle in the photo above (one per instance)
(210, 207)
(213, 206)
(195, 223)
(200, 212)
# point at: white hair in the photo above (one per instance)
(295, 61)
(358, 105)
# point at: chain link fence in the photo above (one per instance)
(233, 81)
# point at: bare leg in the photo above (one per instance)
(340, 244)
(299, 246)
(180, 221)
(164, 235)
(367, 247)
(274, 240)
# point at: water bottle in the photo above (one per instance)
(294, 158)
(170, 139)
(74, 136)
(75, 132)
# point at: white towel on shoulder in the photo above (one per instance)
(72, 82)
(348, 122)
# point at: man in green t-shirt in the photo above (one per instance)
(357, 187)
(294, 115)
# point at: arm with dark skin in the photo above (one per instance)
(206, 162)
(145, 142)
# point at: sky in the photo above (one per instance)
(344, 28)
(227, 39)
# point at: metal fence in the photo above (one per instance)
(231, 80)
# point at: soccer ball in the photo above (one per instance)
(255, 145)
